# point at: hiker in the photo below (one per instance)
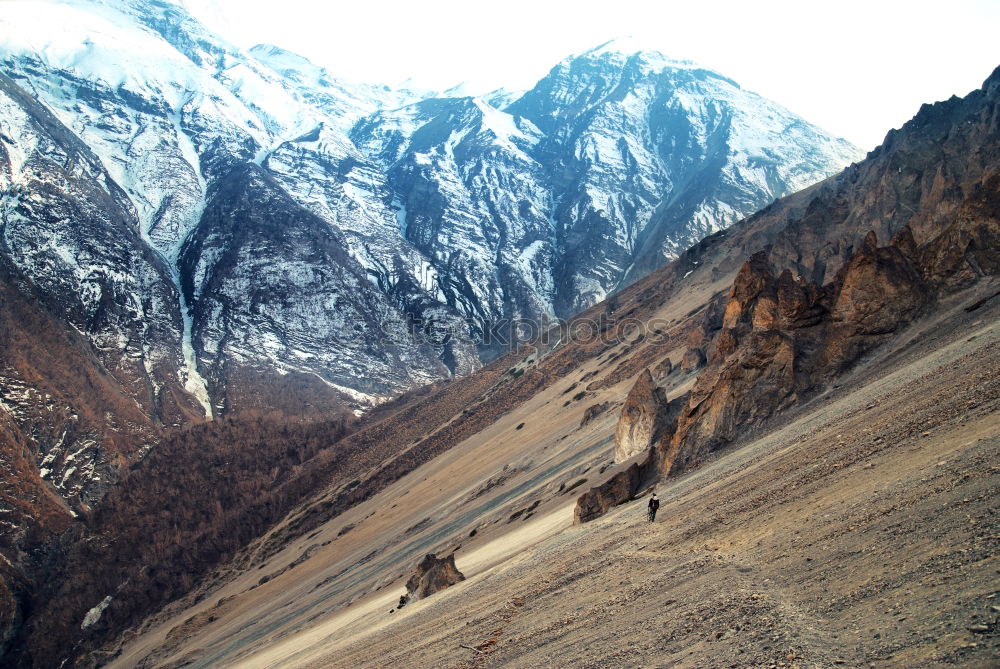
(654, 504)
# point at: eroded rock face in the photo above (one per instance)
(433, 574)
(641, 421)
(619, 489)
(785, 337)
(878, 290)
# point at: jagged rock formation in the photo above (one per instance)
(782, 338)
(433, 574)
(642, 418)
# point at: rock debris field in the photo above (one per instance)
(862, 532)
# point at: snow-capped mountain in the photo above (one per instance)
(611, 165)
(243, 231)
(647, 155)
(177, 117)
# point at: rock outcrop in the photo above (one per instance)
(626, 484)
(619, 489)
(433, 574)
(662, 370)
(784, 338)
(642, 418)
(592, 412)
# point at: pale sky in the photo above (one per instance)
(855, 68)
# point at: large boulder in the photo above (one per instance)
(619, 489)
(641, 421)
(433, 574)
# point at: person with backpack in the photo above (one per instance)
(654, 504)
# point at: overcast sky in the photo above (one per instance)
(855, 68)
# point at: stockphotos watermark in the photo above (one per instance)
(510, 333)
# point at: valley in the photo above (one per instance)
(270, 338)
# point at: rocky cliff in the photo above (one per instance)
(784, 336)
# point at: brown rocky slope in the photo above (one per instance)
(783, 338)
(859, 533)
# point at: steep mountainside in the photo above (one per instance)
(647, 155)
(884, 273)
(611, 165)
(171, 112)
(447, 209)
(72, 256)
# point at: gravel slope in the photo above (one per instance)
(862, 532)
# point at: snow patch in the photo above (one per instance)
(94, 614)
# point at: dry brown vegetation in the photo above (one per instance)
(192, 502)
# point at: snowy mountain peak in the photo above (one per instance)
(642, 56)
(463, 90)
(627, 46)
(296, 67)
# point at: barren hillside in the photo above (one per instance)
(862, 529)
(829, 482)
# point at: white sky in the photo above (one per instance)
(855, 68)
